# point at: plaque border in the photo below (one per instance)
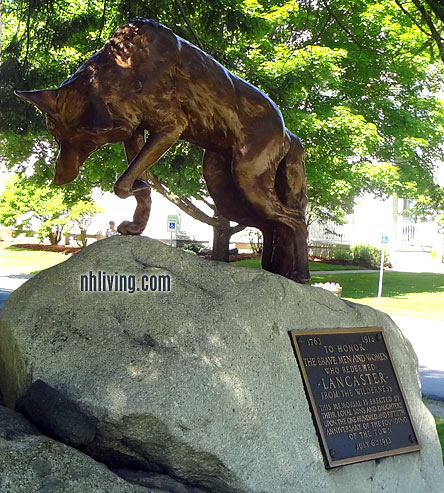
(329, 461)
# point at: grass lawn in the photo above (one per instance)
(314, 266)
(404, 294)
(22, 261)
(440, 428)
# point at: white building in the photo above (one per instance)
(412, 246)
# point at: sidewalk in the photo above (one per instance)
(10, 282)
(427, 338)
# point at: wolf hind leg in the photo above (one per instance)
(290, 252)
(231, 203)
(254, 170)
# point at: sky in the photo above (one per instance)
(119, 210)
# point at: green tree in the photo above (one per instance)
(80, 215)
(25, 205)
(355, 80)
(428, 15)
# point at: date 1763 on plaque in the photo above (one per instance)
(358, 405)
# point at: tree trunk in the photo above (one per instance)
(221, 226)
(221, 239)
(83, 240)
(53, 238)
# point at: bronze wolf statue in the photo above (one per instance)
(147, 79)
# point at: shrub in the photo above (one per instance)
(342, 254)
(193, 247)
(368, 255)
(256, 240)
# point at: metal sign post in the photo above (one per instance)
(384, 241)
(172, 222)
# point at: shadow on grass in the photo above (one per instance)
(13, 248)
(395, 285)
(314, 266)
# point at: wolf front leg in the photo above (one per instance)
(154, 148)
(143, 196)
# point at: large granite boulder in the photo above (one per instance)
(31, 462)
(198, 383)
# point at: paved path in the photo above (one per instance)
(3, 297)
(10, 281)
(427, 338)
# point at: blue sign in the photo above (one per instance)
(172, 226)
(384, 239)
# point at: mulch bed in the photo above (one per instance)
(48, 248)
(243, 256)
(234, 258)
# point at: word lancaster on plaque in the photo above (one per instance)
(356, 399)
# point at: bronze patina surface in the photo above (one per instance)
(147, 79)
(358, 405)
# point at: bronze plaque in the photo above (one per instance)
(357, 402)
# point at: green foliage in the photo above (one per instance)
(368, 255)
(193, 247)
(355, 80)
(342, 254)
(25, 204)
(428, 207)
(256, 240)
(80, 215)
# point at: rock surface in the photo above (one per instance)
(31, 462)
(57, 416)
(199, 383)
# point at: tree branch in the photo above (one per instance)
(183, 204)
(188, 23)
(236, 229)
(435, 34)
(437, 7)
(102, 24)
(407, 13)
(347, 31)
(28, 38)
(209, 204)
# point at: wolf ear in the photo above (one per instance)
(96, 115)
(45, 100)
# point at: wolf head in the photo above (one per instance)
(81, 123)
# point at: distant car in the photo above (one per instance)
(3, 297)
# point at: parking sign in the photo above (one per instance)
(172, 222)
